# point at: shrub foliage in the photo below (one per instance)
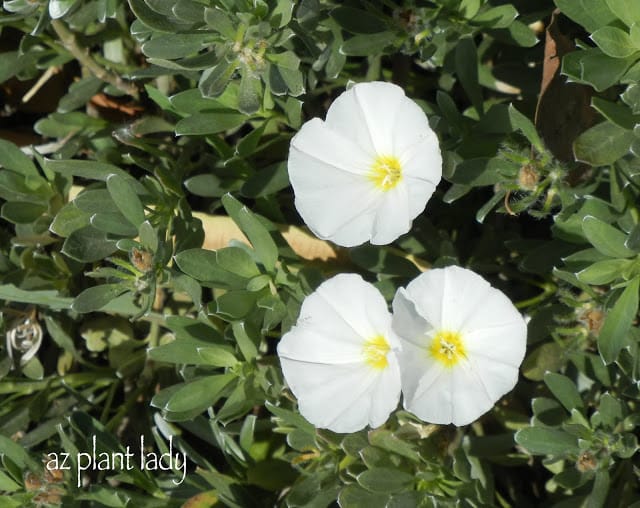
(133, 132)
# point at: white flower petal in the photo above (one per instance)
(407, 322)
(471, 399)
(410, 129)
(426, 291)
(327, 358)
(423, 161)
(464, 292)
(392, 216)
(329, 344)
(426, 387)
(385, 394)
(503, 344)
(459, 309)
(366, 113)
(492, 310)
(336, 397)
(316, 140)
(497, 377)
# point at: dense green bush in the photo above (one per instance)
(147, 128)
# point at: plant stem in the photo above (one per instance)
(81, 54)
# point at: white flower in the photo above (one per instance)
(367, 171)
(462, 345)
(339, 360)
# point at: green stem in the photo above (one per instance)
(81, 54)
(113, 424)
(549, 290)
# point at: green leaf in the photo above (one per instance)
(247, 341)
(385, 480)
(10, 64)
(217, 356)
(634, 33)
(547, 441)
(384, 439)
(148, 236)
(210, 122)
(616, 112)
(198, 394)
(604, 272)
(250, 93)
(291, 418)
(113, 223)
(18, 455)
(214, 80)
(610, 412)
(516, 33)
(285, 74)
(614, 334)
(69, 219)
(593, 67)
(496, 17)
(380, 260)
(466, 58)
(235, 304)
(353, 496)
(591, 14)
(631, 97)
(46, 298)
(633, 240)
(88, 245)
(80, 93)
(153, 19)
(19, 212)
(92, 170)
(264, 246)
(480, 171)
(564, 390)
(230, 267)
(11, 157)
(524, 125)
(96, 297)
(602, 144)
(282, 13)
(95, 201)
(266, 181)
(188, 351)
(58, 8)
(358, 21)
(370, 44)
(598, 496)
(469, 8)
(604, 237)
(627, 11)
(177, 45)
(546, 357)
(220, 22)
(126, 199)
(614, 42)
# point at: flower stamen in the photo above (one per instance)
(375, 352)
(386, 172)
(447, 347)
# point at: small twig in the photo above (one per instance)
(81, 54)
(40, 83)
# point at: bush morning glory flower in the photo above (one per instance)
(339, 359)
(368, 170)
(462, 344)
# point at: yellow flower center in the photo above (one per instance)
(447, 347)
(386, 172)
(375, 352)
